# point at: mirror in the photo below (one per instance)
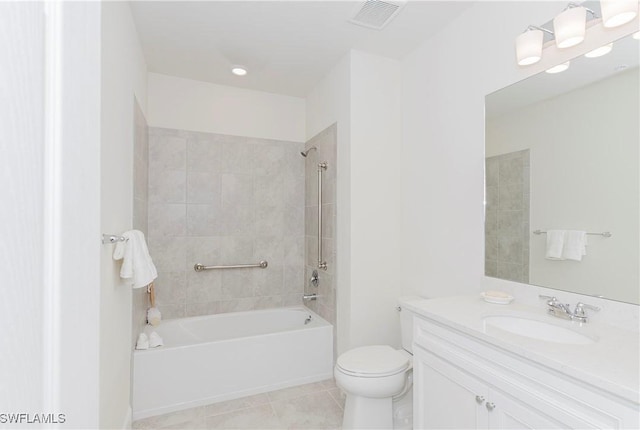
(562, 153)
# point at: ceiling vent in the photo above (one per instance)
(376, 14)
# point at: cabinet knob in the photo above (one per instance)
(479, 400)
(490, 406)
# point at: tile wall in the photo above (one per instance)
(140, 202)
(507, 216)
(325, 305)
(216, 199)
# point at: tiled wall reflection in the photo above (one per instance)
(217, 199)
(507, 216)
(325, 142)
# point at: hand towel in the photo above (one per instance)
(555, 244)
(155, 340)
(575, 245)
(136, 261)
(143, 342)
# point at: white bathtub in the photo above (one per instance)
(221, 357)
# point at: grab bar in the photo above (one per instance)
(321, 263)
(200, 267)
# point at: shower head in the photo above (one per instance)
(305, 153)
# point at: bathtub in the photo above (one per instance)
(225, 356)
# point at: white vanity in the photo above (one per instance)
(486, 366)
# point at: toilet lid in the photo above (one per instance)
(377, 360)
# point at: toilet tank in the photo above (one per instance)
(406, 322)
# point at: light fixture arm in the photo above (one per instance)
(572, 5)
(535, 27)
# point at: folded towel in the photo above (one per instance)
(555, 244)
(136, 261)
(143, 342)
(155, 340)
(575, 245)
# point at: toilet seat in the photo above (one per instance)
(373, 362)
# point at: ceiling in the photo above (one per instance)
(287, 46)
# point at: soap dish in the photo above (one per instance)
(497, 297)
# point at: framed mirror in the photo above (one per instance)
(562, 156)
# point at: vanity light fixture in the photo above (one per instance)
(559, 68)
(239, 70)
(529, 45)
(570, 26)
(618, 12)
(599, 52)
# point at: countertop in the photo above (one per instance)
(611, 363)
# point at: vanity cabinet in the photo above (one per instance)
(461, 382)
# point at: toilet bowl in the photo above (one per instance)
(377, 381)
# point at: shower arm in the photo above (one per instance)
(321, 168)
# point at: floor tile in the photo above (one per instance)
(312, 411)
(257, 417)
(338, 396)
(293, 392)
(233, 405)
(171, 419)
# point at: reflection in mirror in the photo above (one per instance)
(563, 154)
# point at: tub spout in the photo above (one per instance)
(313, 296)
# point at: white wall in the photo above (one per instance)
(186, 104)
(123, 78)
(361, 94)
(330, 102)
(584, 175)
(444, 84)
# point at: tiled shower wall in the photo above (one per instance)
(325, 305)
(140, 202)
(217, 199)
(507, 216)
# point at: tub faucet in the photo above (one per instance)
(313, 296)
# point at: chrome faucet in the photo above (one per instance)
(558, 309)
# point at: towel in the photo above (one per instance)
(143, 342)
(155, 340)
(575, 245)
(555, 244)
(136, 261)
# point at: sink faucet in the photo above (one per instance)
(558, 309)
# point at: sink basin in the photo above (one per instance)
(535, 329)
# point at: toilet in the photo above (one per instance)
(378, 382)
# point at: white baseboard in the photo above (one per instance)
(127, 419)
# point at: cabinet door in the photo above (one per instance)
(505, 412)
(445, 397)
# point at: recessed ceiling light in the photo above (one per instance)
(238, 70)
(559, 68)
(599, 52)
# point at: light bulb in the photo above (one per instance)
(569, 27)
(529, 47)
(559, 68)
(599, 52)
(238, 70)
(618, 12)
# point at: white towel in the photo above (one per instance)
(143, 342)
(155, 340)
(575, 245)
(136, 261)
(555, 244)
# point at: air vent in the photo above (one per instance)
(376, 14)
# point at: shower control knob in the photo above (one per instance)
(479, 400)
(490, 406)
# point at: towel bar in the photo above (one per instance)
(604, 233)
(200, 267)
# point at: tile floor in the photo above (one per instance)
(311, 406)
